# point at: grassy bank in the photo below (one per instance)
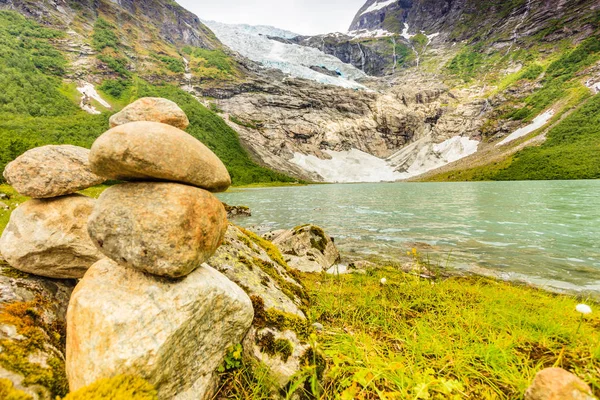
(456, 338)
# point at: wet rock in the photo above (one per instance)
(308, 248)
(165, 229)
(48, 237)
(237, 211)
(174, 334)
(151, 109)
(155, 151)
(51, 171)
(32, 329)
(558, 384)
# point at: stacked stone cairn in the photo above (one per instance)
(147, 306)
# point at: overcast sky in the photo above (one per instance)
(307, 17)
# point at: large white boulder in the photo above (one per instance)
(173, 333)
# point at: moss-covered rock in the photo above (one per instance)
(280, 327)
(32, 334)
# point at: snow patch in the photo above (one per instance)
(378, 6)
(253, 42)
(434, 156)
(593, 86)
(88, 93)
(537, 123)
(405, 33)
(365, 33)
(358, 166)
(348, 166)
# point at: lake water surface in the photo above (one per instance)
(547, 232)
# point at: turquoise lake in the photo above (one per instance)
(547, 233)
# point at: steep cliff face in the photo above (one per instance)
(171, 22)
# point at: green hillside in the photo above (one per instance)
(38, 108)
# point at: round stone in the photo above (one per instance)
(154, 151)
(165, 229)
(151, 109)
(51, 171)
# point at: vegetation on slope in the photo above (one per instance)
(36, 108)
(415, 338)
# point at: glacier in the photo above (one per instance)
(253, 42)
(378, 6)
(355, 166)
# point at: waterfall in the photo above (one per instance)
(395, 57)
(362, 57)
(515, 34)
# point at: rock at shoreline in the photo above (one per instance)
(49, 237)
(308, 248)
(237, 211)
(174, 334)
(280, 328)
(558, 384)
(51, 171)
(32, 328)
(165, 229)
(154, 151)
(151, 109)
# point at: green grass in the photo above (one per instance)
(572, 150)
(454, 338)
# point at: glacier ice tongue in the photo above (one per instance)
(253, 42)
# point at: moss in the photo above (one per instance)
(271, 346)
(246, 241)
(11, 272)
(286, 321)
(8, 391)
(242, 259)
(260, 317)
(273, 318)
(271, 250)
(321, 242)
(25, 317)
(120, 387)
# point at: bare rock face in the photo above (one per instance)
(49, 237)
(32, 330)
(308, 248)
(174, 334)
(165, 229)
(51, 171)
(151, 109)
(155, 151)
(280, 328)
(558, 384)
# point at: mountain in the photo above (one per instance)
(464, 89)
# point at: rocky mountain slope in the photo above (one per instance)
(427, 85)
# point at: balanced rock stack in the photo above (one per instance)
(47, 236)
(150, 309)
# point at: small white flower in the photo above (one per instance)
(583, 308)
(383, 281)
